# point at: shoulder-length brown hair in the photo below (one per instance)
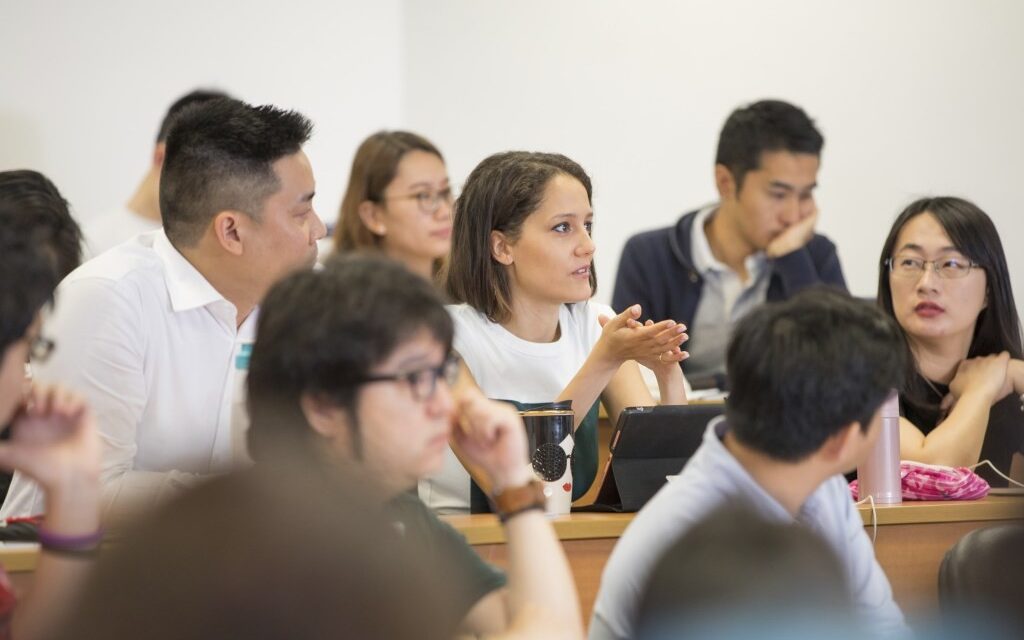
(373, 169)
(498, 196)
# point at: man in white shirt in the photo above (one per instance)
(808, 378)
(142, 211)
(156, 332)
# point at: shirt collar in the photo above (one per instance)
(187, 287)
(704, 260)
(724, 463)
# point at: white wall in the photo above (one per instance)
(914, 97)
(84, 85)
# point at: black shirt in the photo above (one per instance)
(1003, 437)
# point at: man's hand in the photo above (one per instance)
(491, 436)
(53, 439)
(794, 236)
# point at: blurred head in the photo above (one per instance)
(968, 299)
(27, 281)
(766, 170)
(241, 557)
(236, 181)
(33, 207)
(398, 200)
(522, 228)
(810, 368)
(195, 96)
(350, 361)
(736, 575)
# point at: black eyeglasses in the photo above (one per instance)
(422, 382)
(40, 348)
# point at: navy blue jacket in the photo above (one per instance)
(656, 270)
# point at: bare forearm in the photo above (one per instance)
(957, 440)
(671, 386)
(539, 574)
(72, 511)
(588, 384)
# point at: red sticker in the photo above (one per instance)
(567, 486)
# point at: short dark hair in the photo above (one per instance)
(321, 332)
(220, 155)
(373, 169)
(500, 193)
(802, 369)
(27, 280)
(973, 234)
(734, 563)
(295, 553)
(34, 207)
(192, 97)
(765, 126)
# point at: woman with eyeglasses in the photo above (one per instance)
(522, 269)
(944, 279)
(398, 202)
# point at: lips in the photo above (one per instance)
(582, 272)
(442, 234)
(929, 309)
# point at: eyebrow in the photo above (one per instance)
(916, 247)
(778, 184)
(559, 216)
(424, 183)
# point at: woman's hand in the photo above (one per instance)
(986, 375)
(653, 344)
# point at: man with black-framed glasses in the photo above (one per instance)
(352, 366)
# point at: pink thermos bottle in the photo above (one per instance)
(879, 475)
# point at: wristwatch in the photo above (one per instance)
(515, 500)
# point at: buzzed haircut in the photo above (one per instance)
(763, 127)
(192, 97)
(219, 157)
(34, 209)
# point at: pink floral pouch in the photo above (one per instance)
(933, 482)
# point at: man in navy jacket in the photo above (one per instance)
(757, 243)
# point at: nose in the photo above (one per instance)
(928, 280)
(441, 404)
(319, 228)
(444, 210)
(586, 244)
(790, 213)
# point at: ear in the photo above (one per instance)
(158, 154)
(228, 228)
(324, 416)
(725, 182)
(370, 214)
(842, 447)
(501, 249)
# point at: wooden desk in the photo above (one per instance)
(911, 542)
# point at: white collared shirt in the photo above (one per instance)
(155, 350)
(724, 299)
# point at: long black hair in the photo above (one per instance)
(973, 234)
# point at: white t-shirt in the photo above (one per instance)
(113, 228)
(154, 349)
(507, 367)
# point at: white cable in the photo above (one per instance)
(874, 517)
(998, 472)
